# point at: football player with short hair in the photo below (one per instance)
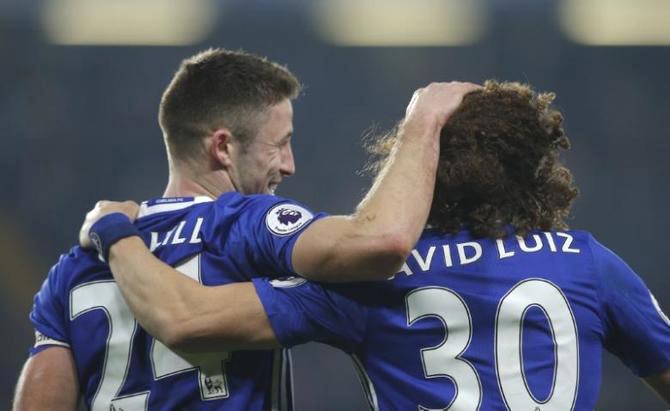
(227, 122)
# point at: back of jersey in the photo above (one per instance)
(119, 365)
(468, 324)
(515, 323)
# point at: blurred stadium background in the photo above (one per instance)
(81, 81)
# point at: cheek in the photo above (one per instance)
(274, 164)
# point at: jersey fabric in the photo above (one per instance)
(515, 323)
(119, 365)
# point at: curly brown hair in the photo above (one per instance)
(499, 164)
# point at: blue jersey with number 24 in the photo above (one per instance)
(120, 366)
(482, 324)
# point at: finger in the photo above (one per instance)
(414, 99)
(131, 204)
(472, 86)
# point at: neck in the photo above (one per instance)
(183, 183)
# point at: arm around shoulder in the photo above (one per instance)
(372, 243)
(183, 314)
(229, 317)
(339, 249)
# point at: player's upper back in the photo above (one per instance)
(241, 235)
(514, 323)
(119, 365)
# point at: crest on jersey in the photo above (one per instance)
(658, 309)
(284, 219)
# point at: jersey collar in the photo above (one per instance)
(164, 204)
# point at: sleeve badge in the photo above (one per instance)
(285, 219)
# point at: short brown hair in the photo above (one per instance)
(216, 88)
(499, 164)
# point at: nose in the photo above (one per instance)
(287, 162)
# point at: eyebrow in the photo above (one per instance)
(287, 136)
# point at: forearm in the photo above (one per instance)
(48, 381)
(400, 199)
(373, 243)
(182, 313)
(157, 294)
(228, 317)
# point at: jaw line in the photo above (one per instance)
(272, 187)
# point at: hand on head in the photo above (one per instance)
(438, 101)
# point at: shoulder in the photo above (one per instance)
(79, 259)
(600, 253)
(613, 272)
(279, 214)
(234, 201)
(73, 267)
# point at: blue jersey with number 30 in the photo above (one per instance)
(120, 367)
(468, 324)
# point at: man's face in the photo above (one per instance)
(261, 166)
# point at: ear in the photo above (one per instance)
(220, 148)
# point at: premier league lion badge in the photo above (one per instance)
(284, 219)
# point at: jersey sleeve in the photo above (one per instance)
(273, 226)
(636, 329)
(301, 311)
(48, 314)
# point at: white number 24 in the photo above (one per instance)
(444, 360)
(106, 296)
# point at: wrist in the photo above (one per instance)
(109, 230)
(422, 124)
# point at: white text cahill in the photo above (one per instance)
(184, 232)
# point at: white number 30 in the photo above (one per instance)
(444, 360)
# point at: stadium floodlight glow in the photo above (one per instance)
(398, 23)
(127, 22)
(616, 22)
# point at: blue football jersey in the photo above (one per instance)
(482, 324)
(119, 365)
